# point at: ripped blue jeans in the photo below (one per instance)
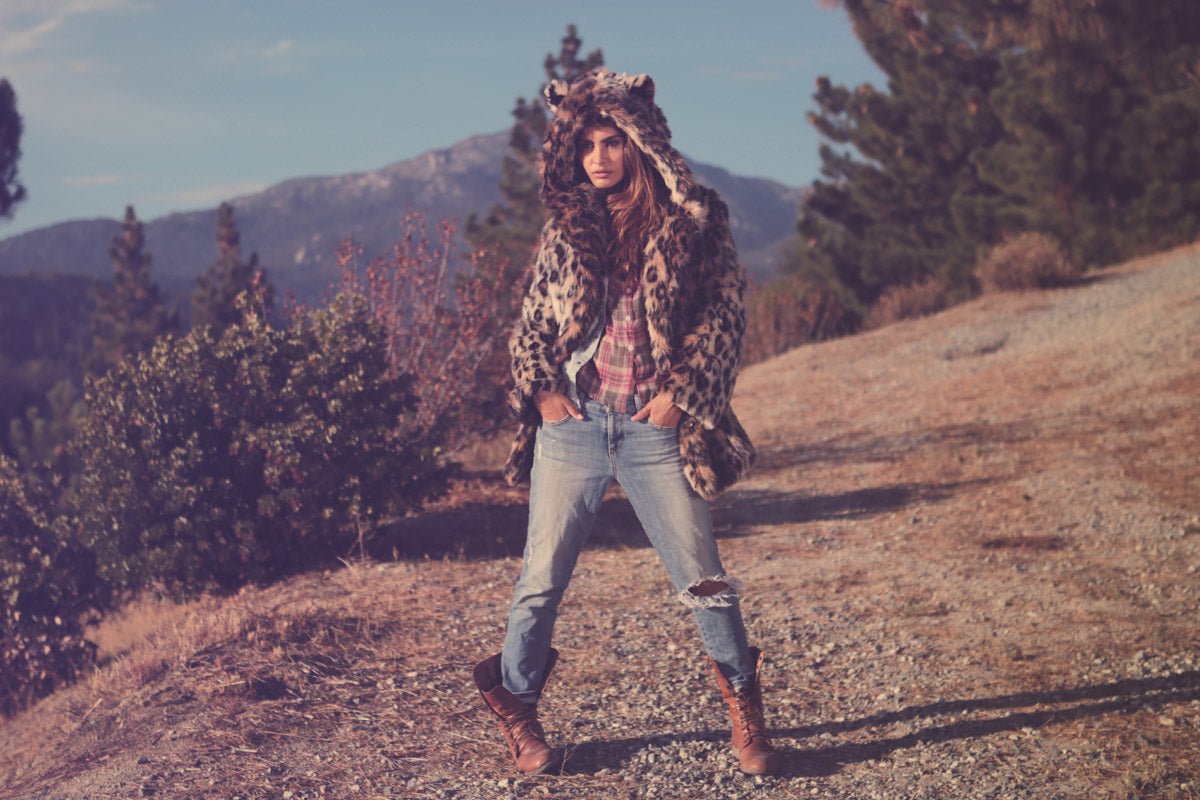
(574, 463)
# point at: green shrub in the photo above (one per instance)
(44, 595)
(209, 463)
(918, 299)
(1026, 261)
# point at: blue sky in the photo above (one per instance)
(176, 105)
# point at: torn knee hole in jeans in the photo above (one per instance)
(716, 591)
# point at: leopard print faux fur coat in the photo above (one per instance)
(692, 283)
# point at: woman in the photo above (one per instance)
(624, 360)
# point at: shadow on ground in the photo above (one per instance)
(740, 509)
(496, 530)
(1119, 697)
(866, 448)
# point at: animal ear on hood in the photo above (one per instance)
(555, 91)
(642, 86)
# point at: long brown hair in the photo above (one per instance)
(635, 208)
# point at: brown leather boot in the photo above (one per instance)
(517, 719)
(750, 743)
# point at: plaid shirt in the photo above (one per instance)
(623, 366)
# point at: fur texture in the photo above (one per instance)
(692, 283)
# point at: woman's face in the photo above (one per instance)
(602, 153)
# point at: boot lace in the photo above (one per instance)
(524, 725)
(750, 717)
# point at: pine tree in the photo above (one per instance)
(1077, 120)
(216, 292)
(1101, 109)
(11, 192)
(511, 227)
(900, 196)
(130, 314)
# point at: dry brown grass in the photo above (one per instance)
(1026, 261)
(919, 299)
(242, 670)
(120, 630)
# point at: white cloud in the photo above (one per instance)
(89, 66)
(27, 23)
(279, 58)
(278, 49)
(64, 90)
(202, 195)
(23, 40)
(87, 181)
(105, 112)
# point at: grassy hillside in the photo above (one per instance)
(970, 549)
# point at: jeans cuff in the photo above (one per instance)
(528, 698)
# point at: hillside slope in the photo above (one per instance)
(970, 548)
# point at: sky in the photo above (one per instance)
(177, 105)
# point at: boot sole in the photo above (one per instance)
(772, 769)
(553, 763)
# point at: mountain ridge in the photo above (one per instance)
(295, 225)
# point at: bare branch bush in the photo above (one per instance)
(907, 301)
(440, 322)
(787, 313)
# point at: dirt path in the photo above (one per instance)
(971, 551)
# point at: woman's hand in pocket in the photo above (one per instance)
(661, 411)
(555, 406)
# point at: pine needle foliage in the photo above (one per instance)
(130, 312)
(11, 190)
(217, 288)
(1079, 120)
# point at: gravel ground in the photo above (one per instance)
(970, 549)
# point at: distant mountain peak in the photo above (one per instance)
(296, 225)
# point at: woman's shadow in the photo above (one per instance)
(1118, 697)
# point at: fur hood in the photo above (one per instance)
(627, 101)
(691, 280)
